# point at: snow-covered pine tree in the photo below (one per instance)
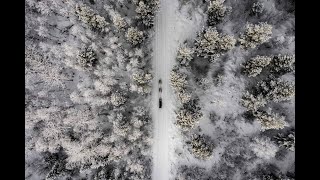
(146, 10)
(184, 96)
(189, 114)
(185, 119)
(141, 81)
(211, 44)
(217, 11)
(87, 58)
(117, 99)
(276, 89)
(134, 36)
(178, 80)
(255, 34)
(257, 8)
(141, 77)
(185, 55)
(282, 64)
(119, 22)
(270, 120)
(254, 66)
(89, 17)
(253, 103)
(199, 147)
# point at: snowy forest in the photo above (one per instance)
(88, 79)
(160, 89)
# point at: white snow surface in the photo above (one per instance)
(171, 29)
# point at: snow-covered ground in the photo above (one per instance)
(171, 29)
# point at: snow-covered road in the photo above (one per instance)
(161, 117)
(171, 29)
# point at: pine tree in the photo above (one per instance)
(119, 22)
(217, 11)
(188, 115)
(253, 103)
(185, 55)
(184, 96)
(118, 99)
(146, 10)
(276, 89)
(255, 34)
(270, 120)
(282, 64)
(141, 81)
(87, 16)
(134, 36)
(178, 80)
(254, 66)
(87, 58)
(211, 44)
(199, 147)
(257, 8)
(141, 77)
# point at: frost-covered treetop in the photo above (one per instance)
(118, 99)
(200, 148)
(254, 66)
(189, 114)
(143, 9)
(185, 54)
(278, 64)
(87, 57)
(210, 43)
(184, 96)
(89, 17)
(255, 34)
(178, 80)
(216, 4)
(283, 63)
(146, 10)
(276, 90)
(134, 36)
(141, 77)
(119, 22)
(257, 8)
(187, 119)
(253, 103)
(217, 11)
(270, 120)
